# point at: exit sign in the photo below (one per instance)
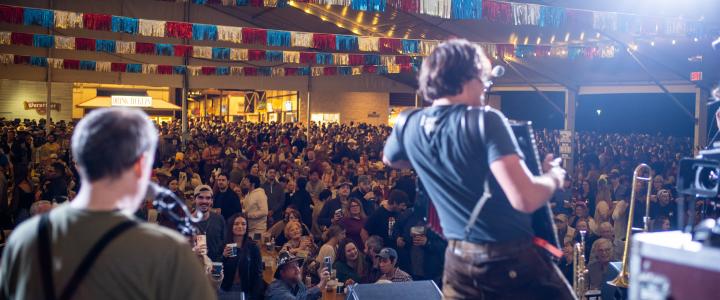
(696, 76)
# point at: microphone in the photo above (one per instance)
(499, 71)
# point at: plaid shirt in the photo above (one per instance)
(397, 276)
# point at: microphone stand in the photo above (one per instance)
(184, 221)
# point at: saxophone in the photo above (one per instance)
(580, 283)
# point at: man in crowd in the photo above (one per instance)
(373, 245)
(421, 251)
(49, 148)
(365, 194)
(382, 222)
(256, 206)
(113, 150)
(55, 184)
(275, 192)
(387, 261)
(288, 283)
(333, 210)
(226, 199)
(664, 207)
(314, 185)
(212, 225)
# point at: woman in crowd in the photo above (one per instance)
(277, 231)
(242, 269)
(351, 264)
(581, 213)
(353, 222)
(297, 244)
(332, 238)
(600, 256)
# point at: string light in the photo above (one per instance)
(582, 36)
(673, 42)
(344, 11)
(526, 40)
(339, 25)
(652, 43)
(359, 18)
(324, 18)
(567, 37)
(552, 39)
(539, 39)
(695, 39)
(307, 10)
(633, 47)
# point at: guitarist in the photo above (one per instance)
(473, 170)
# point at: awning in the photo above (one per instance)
(103, 101)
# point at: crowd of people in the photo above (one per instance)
(325, 204)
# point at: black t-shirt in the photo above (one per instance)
(228, 202)
(379, 224)
(453, 170)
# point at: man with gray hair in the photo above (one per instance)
(96, 234)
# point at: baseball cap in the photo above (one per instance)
(202, 188)
(349, 184)
(388, 253)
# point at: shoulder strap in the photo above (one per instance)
(476, 120)
(85, 265)
(401, 121)
(45, 256)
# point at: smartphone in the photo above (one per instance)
(339, 212)
(327, 264)
(216, 269)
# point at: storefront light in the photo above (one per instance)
(288, 105)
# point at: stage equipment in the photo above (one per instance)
(669, 265)
(622, 280)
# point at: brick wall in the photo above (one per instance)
(368, 107)
(14, 94)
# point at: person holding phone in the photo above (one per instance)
(332, 238)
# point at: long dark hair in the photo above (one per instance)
(360, 266)
(229, 236)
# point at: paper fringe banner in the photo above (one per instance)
(499, 11)
(104, 66)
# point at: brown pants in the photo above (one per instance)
(507, 271)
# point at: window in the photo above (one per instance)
(324, 118)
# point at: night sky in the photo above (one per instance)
(619, 113)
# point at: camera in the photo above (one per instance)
(699, 176)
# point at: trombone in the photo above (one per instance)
(622, 280)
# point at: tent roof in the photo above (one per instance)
(665, 62)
